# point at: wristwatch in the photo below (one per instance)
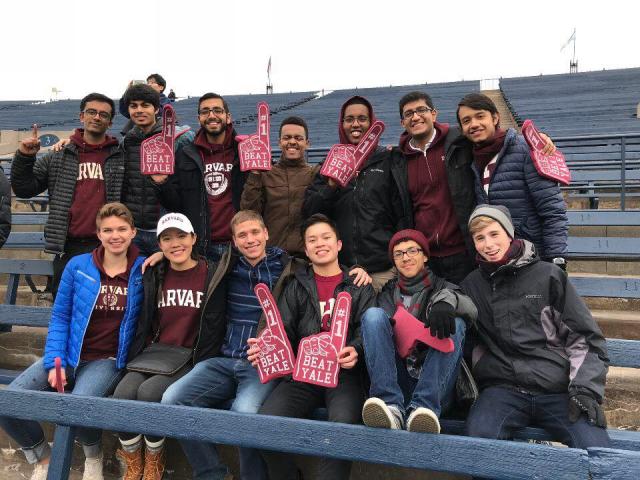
(561, 262)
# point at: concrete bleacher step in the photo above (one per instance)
(618, 324)
(506, 119)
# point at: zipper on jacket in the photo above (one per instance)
(75, 367)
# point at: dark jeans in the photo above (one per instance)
(216, 250)
(298, 400)
(453, 268)
(72, 247)
(499, 411)
(146, 388)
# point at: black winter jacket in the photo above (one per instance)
(535, 332)
(58, 172)
(213, 319)
(5, 208)
(368, 211)
(139, 193)
(185, 191)
(300, 307)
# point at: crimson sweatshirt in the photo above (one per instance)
(433, 210)
(89, 195)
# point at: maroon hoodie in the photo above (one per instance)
(89, 195)
(433, 210)
(217, 162)
(103, 332)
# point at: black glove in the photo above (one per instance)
(582, 403)
(441, 320)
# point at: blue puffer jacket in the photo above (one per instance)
(76, 298)
(538, 210)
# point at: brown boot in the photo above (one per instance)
(132, 463)
(154, 464)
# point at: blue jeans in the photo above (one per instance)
(499, 411)
(147, 242)
(97, 378)
(390, 380)
(213, 383)
(216, 250)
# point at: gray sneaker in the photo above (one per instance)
(40, 471)
(376, 413)
(93, 468)
(423, 420)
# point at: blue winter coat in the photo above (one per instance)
(538, 210)
(76, 298)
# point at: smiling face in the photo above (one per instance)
(409, 266)
(478, 125)
(143, 114)
(293, 142)
(321, 244)
(250, 238)
(355, 122)
(115, 234)
(213, 117)
(176, 246)
(419, 125)
(96, 117)
(492, 242)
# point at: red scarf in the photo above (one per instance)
(515, 251)
(484, 152)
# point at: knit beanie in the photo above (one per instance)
(409, 234)
(499, 213)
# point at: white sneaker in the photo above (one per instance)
(423, 420)
(376, 413)
(40, 471)
(93, 468)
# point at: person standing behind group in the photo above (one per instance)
(207, 182)
(92, 324)
(80, 178)
(5, 208)
(506, 175)
(278, 194)
(372, 207)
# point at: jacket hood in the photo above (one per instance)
(203, 144)
(77, 138)
(441, 134)
(372, 116)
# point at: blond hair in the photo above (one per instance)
(114, 209)
(479, 223)
(246, 216)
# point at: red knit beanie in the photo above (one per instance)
(409, 234)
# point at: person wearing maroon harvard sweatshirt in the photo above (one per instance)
(87, 173)
(207, 183)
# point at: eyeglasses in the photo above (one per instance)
(288, 138)
(93, 113)
(411, 252)
(422, 111)
(205, 112)
(350, 119)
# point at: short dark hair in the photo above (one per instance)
(142, 92)
(210, 95)
(414, 97)
(318, 218)
(98, 97)
(476, 101)
(357, 100)
(159, 79)
(294, 121)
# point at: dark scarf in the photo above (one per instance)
(417, 287)
(515, 251)
(484, 152)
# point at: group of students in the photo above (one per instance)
(455, 226)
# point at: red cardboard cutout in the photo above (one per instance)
(317, 361)
(344, 161)
(408, 331)
(255, 150)
(554, 166)
(157, 156)
(58, 364)
(276, 357)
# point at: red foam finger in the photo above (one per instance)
(59, 385)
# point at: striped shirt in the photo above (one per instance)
(487, 173)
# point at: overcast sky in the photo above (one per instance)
(78, 46)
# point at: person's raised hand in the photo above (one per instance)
(30, 145)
